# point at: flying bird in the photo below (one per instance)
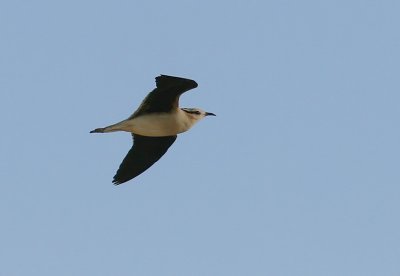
(154, 125)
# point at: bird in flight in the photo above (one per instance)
(154, 125)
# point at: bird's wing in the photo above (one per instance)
(165, 97)
(143, 154)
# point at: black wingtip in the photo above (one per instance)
(117, 182)
(166, 80)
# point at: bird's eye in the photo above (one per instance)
(192, 111)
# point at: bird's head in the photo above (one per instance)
(196, 114)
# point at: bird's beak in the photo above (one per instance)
(210, 114)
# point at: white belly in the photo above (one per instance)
(156, 124)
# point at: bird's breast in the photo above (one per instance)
(158, 124)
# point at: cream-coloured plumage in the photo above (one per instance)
(158, 124)
(155, 125)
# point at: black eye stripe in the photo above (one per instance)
(191, 111)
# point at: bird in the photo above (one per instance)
(154, 126)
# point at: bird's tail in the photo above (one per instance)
(98, 130)
(121, 126)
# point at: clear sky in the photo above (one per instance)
(297, 175)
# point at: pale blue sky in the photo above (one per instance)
(297, 175)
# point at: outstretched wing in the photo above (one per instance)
(165, 97)
(143, 154)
